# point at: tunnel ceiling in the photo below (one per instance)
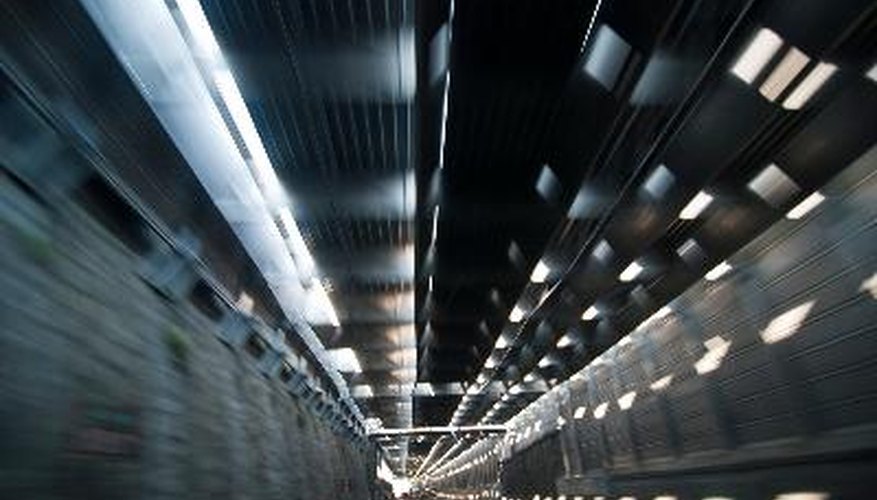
(496, 191)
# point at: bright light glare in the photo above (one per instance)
(345, 360)
(662, 383)
(626, 401)
(600, 410)
(540, 272)
(579, 413)
(810, 85)
(631, 272)
(696, 206)
(544, 362)
(718, 271)
(786, 71)
(590, 313)
(530, 378)
(516, 315)
(808, 204)
(760, 50)
(198, 26)
(665, 497)
(786, 324)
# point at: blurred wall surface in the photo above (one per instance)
(111, 389)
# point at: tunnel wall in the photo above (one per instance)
(759, 384)
(111, 389)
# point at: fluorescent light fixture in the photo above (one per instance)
(501, 343)
(435, 218)
(659, 182)
(626, 401)
(665, 497)
(430, 284)
(717, 347)
(773, 185)
(696, 206)
(631, 272)
(544, 362)
(600, 410)
(717, 272)
(540, 272)
(363, 391)
(603, 251)
(304, 262)
(808, 204)
(345, 360)
(579, 413)
(810, 85)
(565, 341)
(198, 26)
(662, 313)
(516, 315)
(688, 250)
(758, 53)
(590, 313)
(786, 324)
(788, 68)
(872, 73)
(662, 383)
(606, 57)
(803, 495)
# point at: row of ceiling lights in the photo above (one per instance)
(771, 184)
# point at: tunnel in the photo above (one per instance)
(438, 249)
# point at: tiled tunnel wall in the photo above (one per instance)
(111, 390)
(757, 385)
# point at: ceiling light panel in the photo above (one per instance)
(808, 204)
(758, 53)
(516, 315)
(540, 272)
(607, 57)
(811, 84)
(792, 63)
(718, 271)
(773, 185)
(696, 206)
(631, 272)
(590, 313)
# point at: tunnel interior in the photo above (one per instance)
(463, 249)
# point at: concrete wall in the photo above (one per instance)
(110, 390)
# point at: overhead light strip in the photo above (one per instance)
(447, 90)
(260, 165)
